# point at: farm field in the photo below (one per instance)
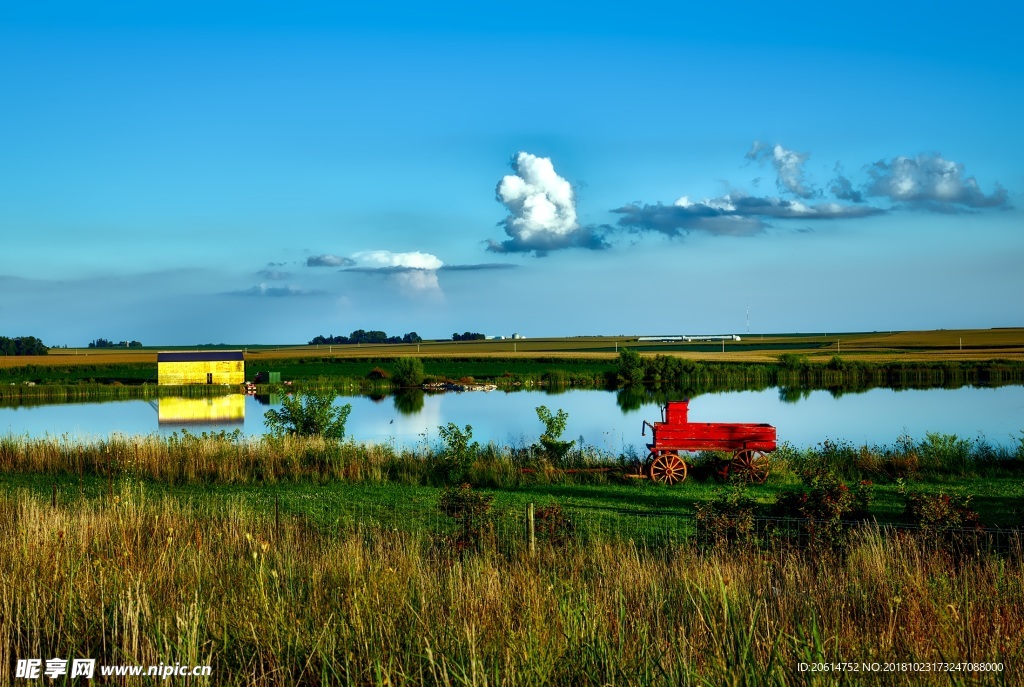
(908, 346)
(899, 360)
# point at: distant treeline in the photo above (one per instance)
(104, 343)
(794, 373)
(22, 345)
(468, 336)
(361, 336)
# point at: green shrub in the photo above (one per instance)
(631, 368)
(728, 519)
(940, 514)
(309, 413)
(408, 372)
(946, 453)
(554, 426)
(451, 465)
(825, 506)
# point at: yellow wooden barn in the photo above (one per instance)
(200, 367)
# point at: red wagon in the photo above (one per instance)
(674, 434)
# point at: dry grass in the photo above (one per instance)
(63, 357)
(139, 580)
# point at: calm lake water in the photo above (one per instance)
(878, 416)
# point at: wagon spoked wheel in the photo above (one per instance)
(667, 468)
(750, 465)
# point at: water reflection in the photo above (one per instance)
(410, 401)
(608, 420)
(229, 409)
(790, 394)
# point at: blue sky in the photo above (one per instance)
(183, 174)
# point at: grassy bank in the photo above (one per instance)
(137, 578)
(323, 478)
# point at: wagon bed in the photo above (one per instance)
(675, 433)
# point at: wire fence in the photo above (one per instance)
(512, 529)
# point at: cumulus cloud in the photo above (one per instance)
(789, 168)
(929, 181)
(328, 260)
(383, 259)
(414, 273)
(542, 210)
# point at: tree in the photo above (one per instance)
(554, 426)
(408, 372)
(631, 367)
(452, 464)
(22, 345)
(307, 414)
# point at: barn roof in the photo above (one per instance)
(197, 356)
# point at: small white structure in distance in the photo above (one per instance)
(692, 337)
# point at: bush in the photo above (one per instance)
(631, 368)
(309, 413)
(728, 519)
(946, 520)
(452, 464)
(470, 510)
(554, 426)
(940, 514)
(825, 505)
(408, 372)
(378, 373)
(553, 524)
(946, 453)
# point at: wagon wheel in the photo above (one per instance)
(750, 465)
(667, 468)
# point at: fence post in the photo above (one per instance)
(531, 532)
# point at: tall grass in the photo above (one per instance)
(137, 579)
(230, 458)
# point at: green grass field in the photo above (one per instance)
(296, 561)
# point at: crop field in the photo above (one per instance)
(910, 346)
(870, 347)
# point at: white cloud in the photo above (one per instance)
(734, 214)
(789, 167)
(377, 259)
(930, 181)
(414, 273)
(542, 210)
